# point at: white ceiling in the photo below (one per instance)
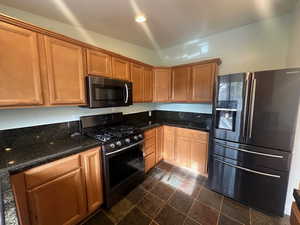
(169, 22)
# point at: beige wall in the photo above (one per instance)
(105, 42)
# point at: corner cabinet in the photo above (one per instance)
(162, 84)
(181, 84)
(20, 75)
(63, 192)
(65, 72)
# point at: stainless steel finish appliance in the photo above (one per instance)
(255, 116)
(122, 154)
(106, 92)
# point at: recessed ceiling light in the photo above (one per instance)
(140, 19)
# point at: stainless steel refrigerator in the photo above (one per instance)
(255, 116)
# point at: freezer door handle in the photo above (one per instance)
(253, 90)
(249, 170)
(251, 152)
(246, 104)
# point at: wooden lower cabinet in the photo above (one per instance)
(92, 171)
(186, 148)
(63, 192)
(159, 144)
(169, 144)
(60, 201)
(149, 161)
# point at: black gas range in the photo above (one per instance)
(121, 152)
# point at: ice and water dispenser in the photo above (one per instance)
(226, 115)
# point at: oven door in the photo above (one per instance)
(105, 92)
(123, 170)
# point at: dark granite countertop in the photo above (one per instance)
(29, 156)
(151, 124)
(25, 157)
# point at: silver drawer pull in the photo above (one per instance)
(249, 170)
(251, 152)
(226, 109)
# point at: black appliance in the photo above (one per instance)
(121, 152)
(105, 92)
(255, 117)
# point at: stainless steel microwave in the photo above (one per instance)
(105, 92)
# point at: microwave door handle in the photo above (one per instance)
(127, 94)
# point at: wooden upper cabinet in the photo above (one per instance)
(181, 84)
(162, 85)
(65, 71)
(148, 84)
(20, 76)
(203, 82)
(137, 78)
(120, 69)
(92, 170)
(98, 63)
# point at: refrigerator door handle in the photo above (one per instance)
(249, 170)
(253, 90)
(245, 104)
(251, 152)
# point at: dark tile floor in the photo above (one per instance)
(173, 196)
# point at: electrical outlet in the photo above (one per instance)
(150, 113)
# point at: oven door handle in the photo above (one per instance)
(127, 93)
(125, 148)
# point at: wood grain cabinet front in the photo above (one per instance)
(181, 84)
(92, 164)
(98, 63)
(65, 72)
(148, 84)
(137, 78)
(202, 82)
(162, 84)
(20, 75)
(120, 68)
(62, 192)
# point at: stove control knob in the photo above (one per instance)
(112, 145)
(135, 138)
(140, 136)
(118, 143)
(127, 140)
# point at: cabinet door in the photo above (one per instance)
(65, 72)
(149, 162)
(98, 63)
(148, 85)
(181, 84)
(182, 150)
(162, 85)
(169, 143)
(121, 69)
(159, 143)
(137, 78)
(60, 201)
(20, 77)
(92, 171)
(199, 156)
(203, 82)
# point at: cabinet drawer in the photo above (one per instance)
(149, 162)
(42, 174)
